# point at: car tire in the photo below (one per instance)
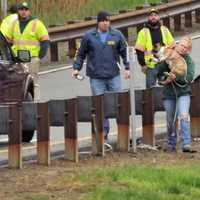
(27, 135)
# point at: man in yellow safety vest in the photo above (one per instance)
(29, 33)
(149, 40)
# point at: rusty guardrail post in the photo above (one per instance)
(123, 121)
(125, 32)
(72, 48)
(197, 16)
(15, 136)
(70, 126)
(43, 130)
(166, 22)
(148, 117)
(97, 125)
(177, 23)
(195, 110)
(188, 19)
(54, 51)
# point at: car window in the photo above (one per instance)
(5, 51)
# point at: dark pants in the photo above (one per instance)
(151, 77)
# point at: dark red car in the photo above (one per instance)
(16, 84)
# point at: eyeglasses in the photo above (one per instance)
(23, 9)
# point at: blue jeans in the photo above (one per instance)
(178, 109)
(100, 86)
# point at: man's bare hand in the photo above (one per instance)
(171, 76)
(127, 74)
(75, 72)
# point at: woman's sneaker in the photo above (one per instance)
(188, 149)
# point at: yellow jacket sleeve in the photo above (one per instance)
(41, 31)
(140, 42)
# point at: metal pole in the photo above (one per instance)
(4, 8)
(133, 63)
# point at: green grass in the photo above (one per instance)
(93, 6)
(141, 183)
(55, 12)
(39, 197)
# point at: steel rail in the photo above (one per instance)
(124, 20)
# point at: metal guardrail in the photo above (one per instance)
(40, 116)
(123, 21)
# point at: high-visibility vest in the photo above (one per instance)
(6, 23)
(30, 39)
(144, 44)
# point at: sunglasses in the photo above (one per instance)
(23, 9)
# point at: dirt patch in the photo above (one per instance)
(36, 182)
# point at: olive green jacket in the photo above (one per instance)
(181, 86)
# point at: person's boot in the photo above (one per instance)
(188, 149)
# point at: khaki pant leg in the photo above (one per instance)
(33, 67)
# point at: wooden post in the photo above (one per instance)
(70, 125)
(54, 51)
(43, 142)
(15, 137)
(148, 117)
(97, 125)
(123, 121)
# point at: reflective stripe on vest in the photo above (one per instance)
(26, 42)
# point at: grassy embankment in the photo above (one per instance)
(130, 182)
(55, 12)
(142, 182)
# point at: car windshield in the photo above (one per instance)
(5, 51)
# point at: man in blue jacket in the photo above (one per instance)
(103, 46)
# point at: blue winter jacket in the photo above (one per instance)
(103, 59)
